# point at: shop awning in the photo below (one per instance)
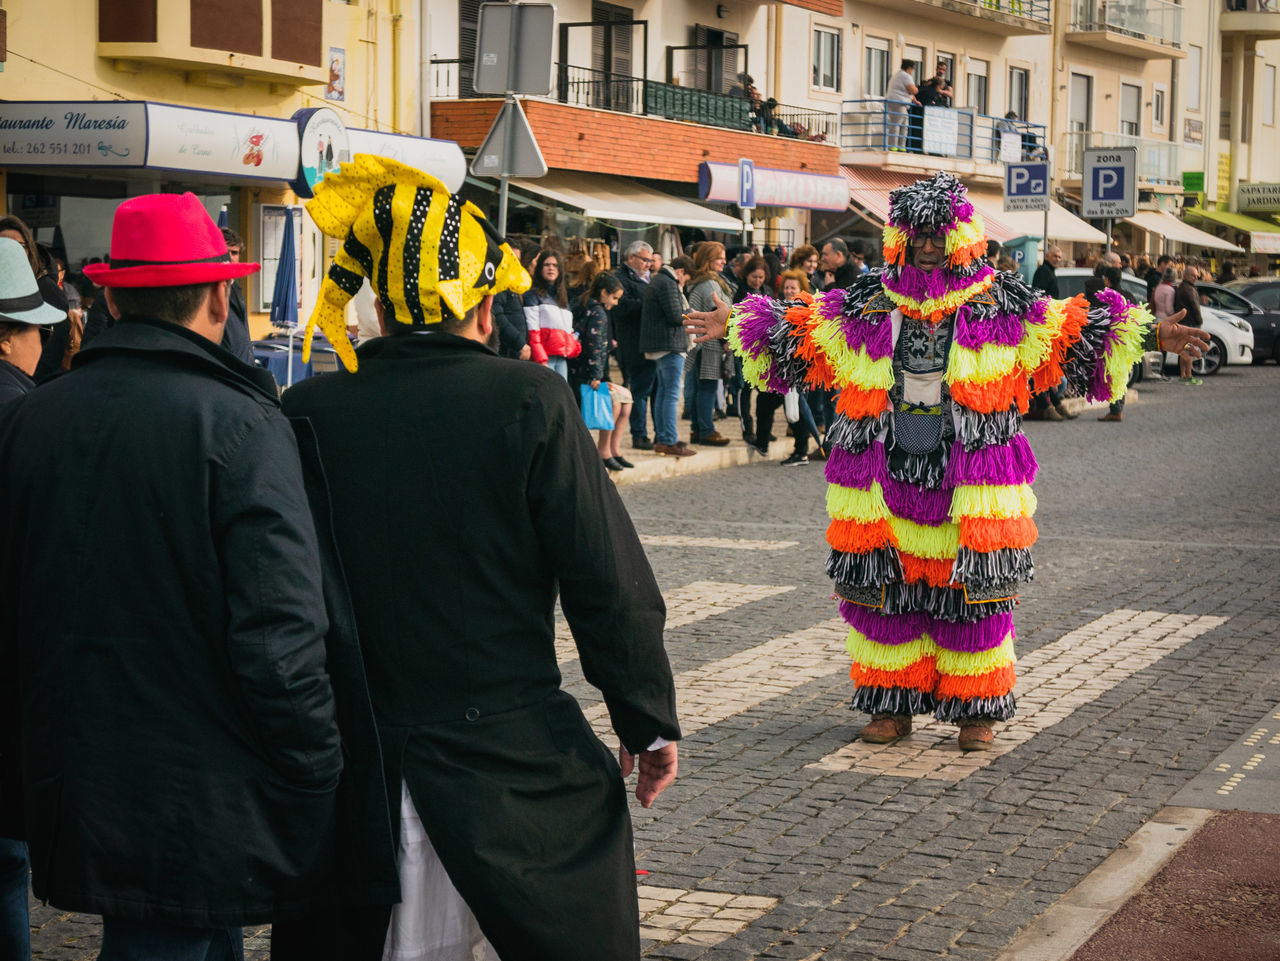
(1004, 225)
(616, 199)
(1179, 231)
(1264, 235)
(869, 187)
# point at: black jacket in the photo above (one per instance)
(626, 315)
(14, 385)
(844, 276)
(167, 629)
(662, 314)
(591, 323)
(513, 331)
(455, 546)
(1186, 297)
(1046, 279)
(55, 347)
(235, 336)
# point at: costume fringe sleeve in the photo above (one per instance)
(811, 343)
(1112, 340)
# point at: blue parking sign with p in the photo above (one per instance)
(1108, 183)
(1026, 186)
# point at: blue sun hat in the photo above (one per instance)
(20, 299)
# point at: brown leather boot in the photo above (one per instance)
(886, 728)
(977, 734)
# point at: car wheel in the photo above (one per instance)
(1212, 361)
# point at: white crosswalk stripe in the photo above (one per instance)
(719, 543)
(1053, 681)
(687, 605)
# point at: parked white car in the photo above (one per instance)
(1230, 338)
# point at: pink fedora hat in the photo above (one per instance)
(165, 240)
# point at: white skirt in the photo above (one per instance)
(431, 922)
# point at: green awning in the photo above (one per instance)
(1264, 235)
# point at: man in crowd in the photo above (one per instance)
(664, 342)
(837, 264)
(454, 574)
(637, 373)
(1046, 276)
(1187, 298)
(237, 338)
(165, 620)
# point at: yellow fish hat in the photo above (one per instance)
(420, 247)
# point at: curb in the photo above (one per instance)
(1078, 915)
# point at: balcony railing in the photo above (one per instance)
(888, 126)
(1159, 161)
(1251, 6)
(1155, 21)
(622, 93)
(1031, 9)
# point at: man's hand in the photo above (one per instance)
(708, 324)
(1188, 342)
(657, 771)
(526, 352)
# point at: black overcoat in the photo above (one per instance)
(167, 629)
(465, 491)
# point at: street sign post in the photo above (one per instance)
(1026, 186)
(513, 48)
(513, 55)
(1110, 184)
(746, 192)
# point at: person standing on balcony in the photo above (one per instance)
(899, 98)
(936, 91)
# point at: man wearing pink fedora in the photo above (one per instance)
(179, 747)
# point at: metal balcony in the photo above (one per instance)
(1004, 17)
(885, 126)
(1148, 29)
(1259, 19)
(1159, 161)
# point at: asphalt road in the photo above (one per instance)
(1147, 646)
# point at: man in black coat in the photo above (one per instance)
(454, 569)
(1046, 275)
(637, 373)
(236, 337)
(838, 265)
(664, 343)
(176, 737)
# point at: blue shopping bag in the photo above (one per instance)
(597, 406)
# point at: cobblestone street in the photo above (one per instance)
(1147, 647)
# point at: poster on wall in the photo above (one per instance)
(272, 225)
(336, 87)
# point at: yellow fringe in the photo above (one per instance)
(990, 362)
(888, 657)
(937, 308)
(852, 504)
(1127, 351)
(1037, 341)
(938, 543)
(965, 234)
(851, 366)
(993, 500)
(965, 664)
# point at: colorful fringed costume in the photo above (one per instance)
(930, 475)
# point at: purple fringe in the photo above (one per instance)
(856, 470)
(973, 332)
(966, 637)
(757, 316)
(1011, 463)
(1116, 307)
(918, 504)
(963, 211)
(876, 335)
(831, 303)
(909, 281)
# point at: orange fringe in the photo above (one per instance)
(894, 255)
(992, 533)
(1076, 314)
(856, 402)
(995, 395)
(967, 255)
(920, 676)
(803, 319)
(854, 537)
(936, 572)
(968, 686)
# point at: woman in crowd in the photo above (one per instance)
(704, 361)
(546, 312)
(591, 367)
(805, 258)
(63, 343)
(21, 342)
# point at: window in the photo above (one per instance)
(1019, 91)
(1159, 106)
(877, 78)
(1269, 94)
(1130, 110)
(916, 55)
(826, 59)
(950, 60)
(976, 85)
(1191, 74)
(1081, 116)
